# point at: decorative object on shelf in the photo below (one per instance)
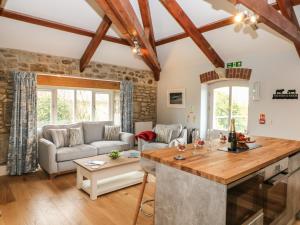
(256, 91)
(290, 94)
(262, 118)
(176, 98)
(114, 154)
(246, 17)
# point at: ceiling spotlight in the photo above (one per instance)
(134, 50)
(239, 17)
(253, 19)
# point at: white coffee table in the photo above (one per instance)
(112, 176)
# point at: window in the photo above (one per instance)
(227, 102)
(83, 105)
(44, 103)
(102, 106)
(65, 105)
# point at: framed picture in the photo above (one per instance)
(176, 98)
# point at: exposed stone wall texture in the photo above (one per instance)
(145, 87)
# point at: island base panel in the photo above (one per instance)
(183, 198)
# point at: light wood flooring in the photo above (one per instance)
(35, 200)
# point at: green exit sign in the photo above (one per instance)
(234, 64)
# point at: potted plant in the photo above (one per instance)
(114, 154)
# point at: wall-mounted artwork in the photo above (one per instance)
(176, 98)
(289, 94)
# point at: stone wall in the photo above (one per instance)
(145, 87)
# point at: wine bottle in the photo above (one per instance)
(232, 138)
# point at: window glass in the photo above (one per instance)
(102, 108)
(44, 102)
(65, 106)
(230, 102)
(83, 105)
(221, 108)
(117, 109)
(239, 107)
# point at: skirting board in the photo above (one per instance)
(3, 170)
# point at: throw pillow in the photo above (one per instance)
(112, 133)
(163, 135)
(76, 136)
(59, 137)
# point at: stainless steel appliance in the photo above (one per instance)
(260, 198)
(275, 191)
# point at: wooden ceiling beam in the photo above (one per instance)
(185, 22)
(270, 16)
(147, 21)
(287, 10)
(203, 29)
(94, 43)
(55, 25)
(124, 18)
(211, 26)
(2, 3)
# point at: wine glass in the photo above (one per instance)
(209, 139)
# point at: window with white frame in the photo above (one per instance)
(229, 100)
(67, 105)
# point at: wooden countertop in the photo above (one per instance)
(226, 167)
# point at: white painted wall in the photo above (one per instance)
(273, 69)
(180, 71)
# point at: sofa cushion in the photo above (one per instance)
(46, 133)
(76, 152)
(94, 131)
(154, 145)
(163, 135)
(76, 136)
(60, 137)
(177, 129)
(107, 146)
(112, 133)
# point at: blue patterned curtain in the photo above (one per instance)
(22, 152)
(126, 102)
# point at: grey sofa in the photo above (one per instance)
(60, 160)
(179, 135)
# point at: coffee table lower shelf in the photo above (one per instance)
(114, 183)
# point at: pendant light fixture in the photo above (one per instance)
(246, 16)
(136, 48)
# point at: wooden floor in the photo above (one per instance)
(36, 200)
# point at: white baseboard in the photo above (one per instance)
(3, 170)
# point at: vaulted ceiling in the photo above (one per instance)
(222, 43)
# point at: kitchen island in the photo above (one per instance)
(198, 190)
